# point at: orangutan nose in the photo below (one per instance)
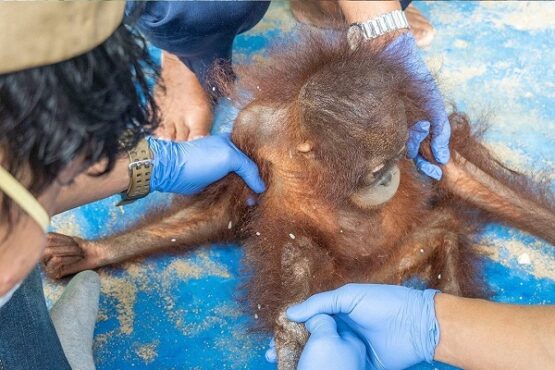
(386, 180)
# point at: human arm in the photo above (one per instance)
(179, 167)
(404, 326)
(361, 11)
(403, 43)
(477, 334)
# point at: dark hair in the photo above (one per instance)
(92, 106)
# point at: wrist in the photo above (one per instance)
(427, 331)
(157, 148)
(139, 172)
(362, 11)
(451, 318)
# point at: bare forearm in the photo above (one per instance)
(361, 11)
(87, 188)
(477, 334)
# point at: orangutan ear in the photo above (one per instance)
(305, 147)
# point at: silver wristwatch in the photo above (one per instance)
(376, 27)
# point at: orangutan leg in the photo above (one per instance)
(434, 244)
(291, 337)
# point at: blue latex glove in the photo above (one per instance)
(332, 345)
(189, 167)
(397, 323)
(404, 46)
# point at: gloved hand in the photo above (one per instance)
(331, 345)
(404, 46)
(398, 324)
(188, 167)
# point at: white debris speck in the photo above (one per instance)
(213, 89)
(292, 236)
(258, 306)
(257, 87)
(421, 250)
(256, 316)
(439, 276)
(524, 259)
(341, 231)
(257, 233)
(229, 225)
(174, 240)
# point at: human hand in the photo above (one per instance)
(331, 345)
(188, 167)
(398, 324)
(405, 46)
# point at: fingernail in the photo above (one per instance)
(422, 126)
(261, 188)
(432, 171)
(196, 137)
(291, 312)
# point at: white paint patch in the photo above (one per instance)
(257, 233)
(292, 236)
(515, 159)
(524, 259)
(461, 44)
(460, 76)
(522, 15)
(507, 253)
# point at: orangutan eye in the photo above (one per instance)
(399, 155)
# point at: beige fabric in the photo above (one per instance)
(39, 33)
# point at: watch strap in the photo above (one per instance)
(140, 170)
(377, 27)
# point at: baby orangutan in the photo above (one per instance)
(327, 127)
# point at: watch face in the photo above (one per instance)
(354, 36)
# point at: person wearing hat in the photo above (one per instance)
(74, 91)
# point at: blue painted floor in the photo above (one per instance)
(494, 60)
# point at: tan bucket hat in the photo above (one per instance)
(38, 33)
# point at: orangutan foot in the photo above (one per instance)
(66, 255)
(185, 107)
